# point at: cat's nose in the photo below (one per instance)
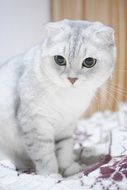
(72, 80)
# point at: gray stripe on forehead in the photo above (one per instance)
(73, 41)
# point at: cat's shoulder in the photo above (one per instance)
(21, 59)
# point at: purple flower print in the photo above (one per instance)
(116, 171)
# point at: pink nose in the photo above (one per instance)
(72, 80)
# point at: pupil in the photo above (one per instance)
(60, 59)
(89, 61)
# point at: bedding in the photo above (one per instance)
(100, 142)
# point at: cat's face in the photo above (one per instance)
(79, 53)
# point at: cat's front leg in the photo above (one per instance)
(66, 158)
(38, 137)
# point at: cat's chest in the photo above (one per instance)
(67, 99)
(66, 105)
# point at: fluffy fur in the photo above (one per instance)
(39, 107)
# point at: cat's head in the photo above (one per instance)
(78, 53)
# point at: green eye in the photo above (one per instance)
(89, 62)
(60, 60)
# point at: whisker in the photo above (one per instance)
(117, 90)
(121, 70)
(115, 99)
(118, 86)
(105, 96)
(97, 101)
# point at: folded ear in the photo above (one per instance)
(52, 29)
(106, 34)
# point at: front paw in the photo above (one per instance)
(47, 171)
(73, 169)
(46, 167)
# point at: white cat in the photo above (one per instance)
(45, 91)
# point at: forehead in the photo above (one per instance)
(74, 44)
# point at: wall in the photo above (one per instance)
(21, 25)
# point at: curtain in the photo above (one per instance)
(113, 13)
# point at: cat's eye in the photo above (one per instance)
(60, 60)
(89, 62)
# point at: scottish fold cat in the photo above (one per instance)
(44, 92)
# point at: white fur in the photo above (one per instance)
(39, 107)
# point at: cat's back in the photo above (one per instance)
(9, 70)
(9, 74)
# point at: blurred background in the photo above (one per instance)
(21, 25)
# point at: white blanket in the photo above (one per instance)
(101, 143)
